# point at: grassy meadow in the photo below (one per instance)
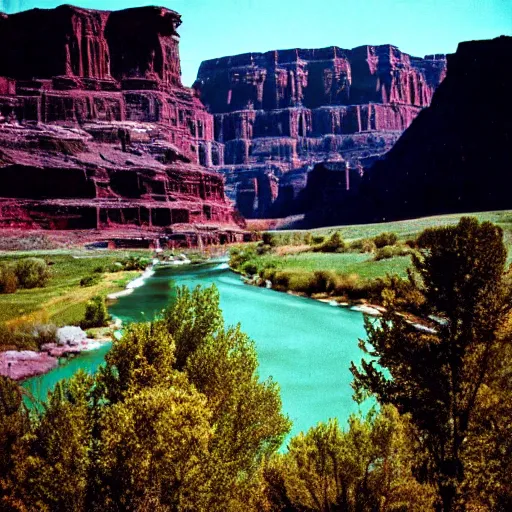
(62, 300)
(294, 260)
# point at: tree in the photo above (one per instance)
(436, 376)
(53, 459)
(32, 272)
(193, 317)
(367, 468)
(152, 451)
(142, 358)
(13, 426)
(96, 314)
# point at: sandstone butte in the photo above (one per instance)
(99, 139)
(279, 113)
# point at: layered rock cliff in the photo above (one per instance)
(97, 131)
(455, 157)
(287, 110)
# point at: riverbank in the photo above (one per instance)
(24, 364)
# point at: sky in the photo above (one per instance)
(216, 28)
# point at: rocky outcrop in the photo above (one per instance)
(455, 157)
(98, 133)
(287, 110)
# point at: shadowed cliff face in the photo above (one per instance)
(284, 110)
(97, 131)
(457, 154)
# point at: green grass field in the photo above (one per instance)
(410, 228)
(63, 300)
(364, 265)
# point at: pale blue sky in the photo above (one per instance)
(215, 28)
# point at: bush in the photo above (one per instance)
(317, 239)
(385, 239)
(363, 245)
(249, 268)
(240, 256)
(334, 243)
(32, 272)
(263, 249)
(268, 239)
(44, 333)
(96, 314)
(24, 336)
(390, 251)
(135, 263)
(90, 280)
(8, 279)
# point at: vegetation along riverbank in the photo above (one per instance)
(350, 265)
(178, 418)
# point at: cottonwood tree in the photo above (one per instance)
(437, 376)
(366, 468)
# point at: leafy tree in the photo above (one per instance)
(193, 317)
(52, 461)
(437, 376)
(153, 448)
(367, 468)
(96, 314)
(32, 272)
(13, 425)
(142, 358)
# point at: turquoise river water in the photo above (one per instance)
(304, 345)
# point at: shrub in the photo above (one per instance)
(363, 245)
(268, 239)
(32, 272)
(99, 270)
(249, 268)
(8, 279)
(333, 244)
(390, 251)
(240, 256)
(90, 280)
(44, 333)
(96, 314)
(135, 263)
(385, 239)
(263, 249)
(20, 337)
(308, 238)
(317, 239)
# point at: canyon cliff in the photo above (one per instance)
(97, 132)
(455, 157)
(281, 112)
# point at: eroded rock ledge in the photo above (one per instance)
(286, 110)
(98, 133)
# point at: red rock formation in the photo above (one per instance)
(97, 131)
(455, 157)
(293, 108)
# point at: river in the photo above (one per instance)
(304, 345)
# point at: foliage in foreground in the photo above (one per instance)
(178, 420)
(447, 379)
